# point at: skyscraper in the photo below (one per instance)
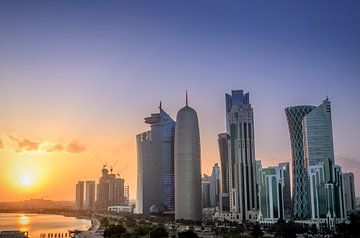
(271, 189)
(90, 195)
(224, 162)
(287, 189)
(187, 165)
(215, 186)
(110, 190)
(300, 194)
(349, 189)
(241, 156)
(318, 136)
(205, 191)
(155, 152)
(79, 199)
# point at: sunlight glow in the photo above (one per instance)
(26, 180)
(24, 220)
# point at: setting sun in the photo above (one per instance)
(26, 180)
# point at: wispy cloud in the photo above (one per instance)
(75, 147)
(1, 144)
(23, 144)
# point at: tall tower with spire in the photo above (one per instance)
(188, 200)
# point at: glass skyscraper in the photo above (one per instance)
(301, 201)
(241, 156)
(155, 151)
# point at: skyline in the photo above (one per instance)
(79, 78)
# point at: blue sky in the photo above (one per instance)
(98, 68)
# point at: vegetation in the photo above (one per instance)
(187, 234)
(114, 231)
(288, 230)
(350, 230)
(256, 231)
(158, 232)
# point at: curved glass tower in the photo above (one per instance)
(301, 200)
(188, 200)
(155, 149)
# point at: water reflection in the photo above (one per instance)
(24, 220)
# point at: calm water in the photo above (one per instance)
(41, 223)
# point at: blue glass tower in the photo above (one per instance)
(155, 148)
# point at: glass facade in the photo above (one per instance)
(295, 116)
(241, 155)
(155, 151)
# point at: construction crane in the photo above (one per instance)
(103, 164)
(112, 166)
(118, 174)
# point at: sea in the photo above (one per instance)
(36, 224)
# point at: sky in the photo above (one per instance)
(77, 79)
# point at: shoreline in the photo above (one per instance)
(94, 222)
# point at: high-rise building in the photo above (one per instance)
(271, 188)
(90, 195)
(187, 165)
(224, 162)
(205, 191)
(340, 209)
(318, 136)
(349, 189)
(110, 190)
(287, 189)
(215, 186)
(300, 194)
(241, 156)
(155, 152)
(79, 199)
(321, 192)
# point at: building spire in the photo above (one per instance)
(160, 106)
(186, 98)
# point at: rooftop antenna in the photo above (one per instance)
(186, 97)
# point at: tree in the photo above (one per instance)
(159, 231)
(256, 231)
(114, 230)
(104, 223)
(187, 234)
(313, 229)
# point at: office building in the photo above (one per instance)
(300, 194)
(110, 190)
(79, 193)
(243, 195)
(155, 156)
(224, 162)
(349, 190)
(318, 136)
(188, 199)
(287, 189)
(215, 186)
(271, 187)
(205, 191)
(90, 195)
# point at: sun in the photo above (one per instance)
(26, 180)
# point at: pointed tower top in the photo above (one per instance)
(160, 105)
(186, 98)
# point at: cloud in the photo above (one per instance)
(56, 148)
(75, 147)
(24, 144)
(1, 144)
